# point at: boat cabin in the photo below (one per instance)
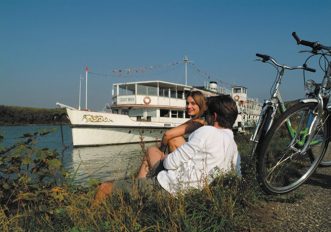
(147, 100)
(249, 108)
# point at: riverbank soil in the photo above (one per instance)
(306, 209)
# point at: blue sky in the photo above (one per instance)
(45, 45)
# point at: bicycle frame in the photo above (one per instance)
(275, 102)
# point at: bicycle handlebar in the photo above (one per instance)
(316, 46)
(266, 58)
(308, 69)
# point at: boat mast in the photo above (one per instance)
(80, 90)
(86, 72)
(186, 60)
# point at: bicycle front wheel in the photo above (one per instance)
(283, 163)
(326, 161)
(261, 130)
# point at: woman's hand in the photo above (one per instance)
(163, 147)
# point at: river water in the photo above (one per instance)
(85, 163)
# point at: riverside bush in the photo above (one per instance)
(30, 179)
(36, 195)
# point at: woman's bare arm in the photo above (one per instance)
(181, 130)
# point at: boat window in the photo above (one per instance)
(163, 92)
(126, 90)
(173, 94)
(151, 113)
(142, 113)
(180, 94)
(236, 90)
(177, 114)
(174, 114)
(136, 112)
(146, 90)
(164, 113)
(125, 111)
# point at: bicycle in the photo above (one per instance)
(297, 141)
(270, 106)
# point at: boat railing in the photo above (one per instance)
(65, 106)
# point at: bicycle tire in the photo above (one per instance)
(261, 131)
(326, 161)
(281, 167)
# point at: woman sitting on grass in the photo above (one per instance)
(196, 106)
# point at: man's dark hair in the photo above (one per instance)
(225, 108)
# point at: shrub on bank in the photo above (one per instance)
(37, 195)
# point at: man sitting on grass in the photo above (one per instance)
(209, 149)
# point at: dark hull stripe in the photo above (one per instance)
(112, 126)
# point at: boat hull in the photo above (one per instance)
(100, 128)
(95, 136)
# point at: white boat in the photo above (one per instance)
(249, 108)
(142, 111)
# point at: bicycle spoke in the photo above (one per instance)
(279, 163)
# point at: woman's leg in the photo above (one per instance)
(103, 191)
(174, 143)
(153, 155)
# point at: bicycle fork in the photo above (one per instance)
(314, 120)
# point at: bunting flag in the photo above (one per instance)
(125, 72)
(209, 76)
(122, 72)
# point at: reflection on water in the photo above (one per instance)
(105, 163)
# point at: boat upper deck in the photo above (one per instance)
(157, 93)
(148, 94)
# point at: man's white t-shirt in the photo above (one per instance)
(208, 150)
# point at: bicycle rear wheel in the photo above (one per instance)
(326, 161)
(282, 165)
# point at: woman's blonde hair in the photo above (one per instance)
(200, 100)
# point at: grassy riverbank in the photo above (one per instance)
(16, 115)
(37, 195)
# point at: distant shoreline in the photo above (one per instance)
(17, 115)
